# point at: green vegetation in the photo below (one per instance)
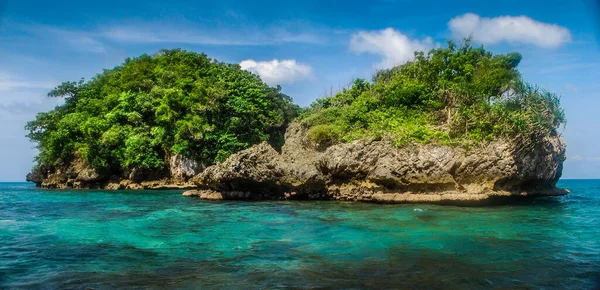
(454, 95)
(151, 107)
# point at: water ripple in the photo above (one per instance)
(156, 240)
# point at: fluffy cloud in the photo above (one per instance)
(509, 28)
(394, 47)
(276, 72)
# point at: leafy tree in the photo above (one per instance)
(138, 114)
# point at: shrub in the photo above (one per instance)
(458, 94)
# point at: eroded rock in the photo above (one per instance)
(77, 174)
(379, 171)
(183, 168)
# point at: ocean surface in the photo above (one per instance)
(160, 239)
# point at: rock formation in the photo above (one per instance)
(379, 171)
(370, 171)
(77, 174)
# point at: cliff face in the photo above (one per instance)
(371, 171)
(77, 174)
(378, 171)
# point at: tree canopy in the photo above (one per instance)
(138, 114)
(152, 107)
(457, 94)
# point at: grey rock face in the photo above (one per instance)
(378, 171)
(183, 168)
(37, 175)
(265, 172)
(73, 173)
(76, 173)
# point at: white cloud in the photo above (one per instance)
(515, 29)
(86, 43)
(576, 158)
(10, 82)
(394, 47)
(100, 39)
(134, 34)
(21, 97)
(570, 66)
(583, 158)
(151, 33)
(276, 72)
(77, 40)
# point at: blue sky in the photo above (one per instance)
(309, 47)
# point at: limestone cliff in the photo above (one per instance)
(77, 174)
(379, 171)
(371, 171)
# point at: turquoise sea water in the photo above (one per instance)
(160, 239)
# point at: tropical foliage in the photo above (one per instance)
(458, 94)
(153, 106)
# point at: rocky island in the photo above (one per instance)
(456, 125)
(154, 122)
(379, 171)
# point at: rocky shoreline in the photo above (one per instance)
(366, 171)
(379, 171)
(76, 174)
(360, 195)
